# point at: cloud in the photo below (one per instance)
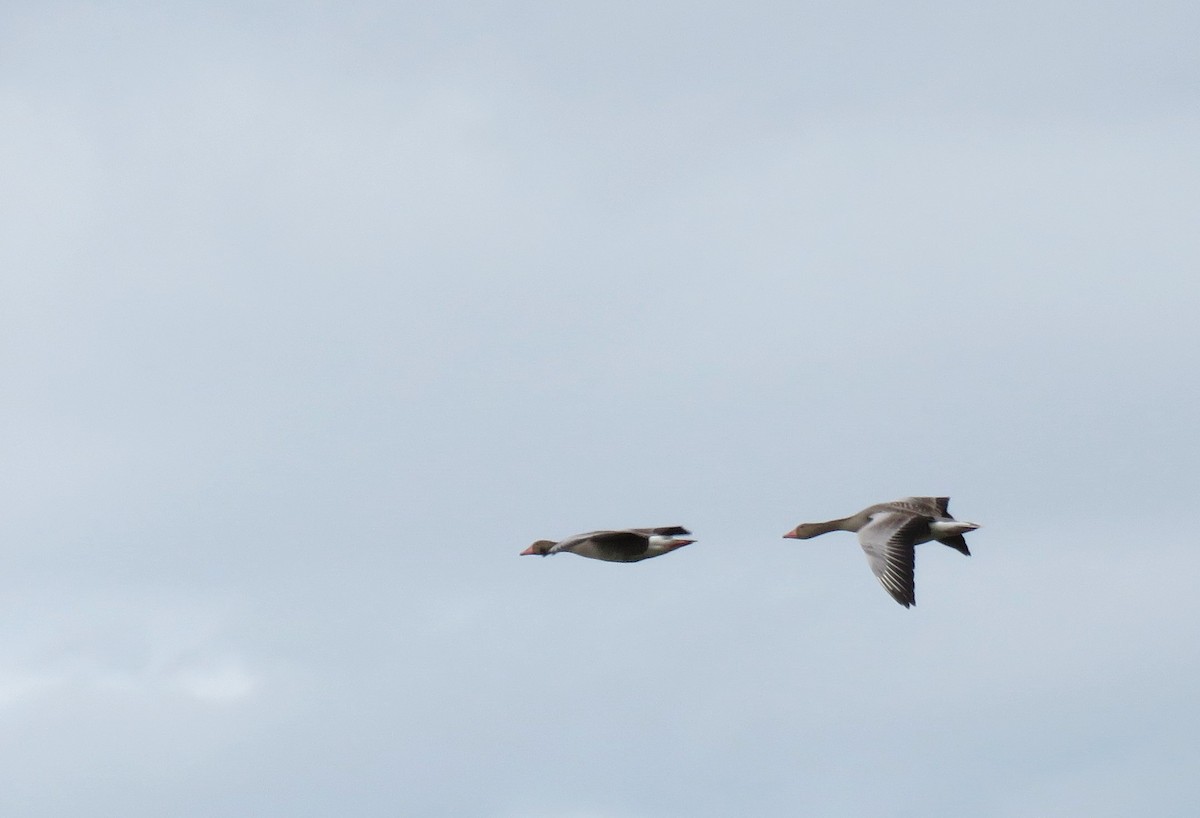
(96, 642)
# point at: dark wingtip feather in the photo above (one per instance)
(958, 543)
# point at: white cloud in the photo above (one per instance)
(67, 641)
(222, 681)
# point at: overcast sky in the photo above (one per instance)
(314, 315)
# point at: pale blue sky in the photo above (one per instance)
(313, 315)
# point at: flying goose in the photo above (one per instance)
(888, 532)
(625, 545)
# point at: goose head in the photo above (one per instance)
(540, 548)
(805, 531)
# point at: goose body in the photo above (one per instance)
(889, 532)
(620, 545)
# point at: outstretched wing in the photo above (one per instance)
(619, 544)
(888, 540)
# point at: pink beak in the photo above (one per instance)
(791, 535)
(530, 550)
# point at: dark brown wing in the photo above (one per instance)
(664, 531)
(957, 542)
(623, 544)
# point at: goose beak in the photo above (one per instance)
(530, 550)
(791, 535)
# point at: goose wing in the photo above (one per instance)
(925, 506)
(958, 542)
(663, 531)
(619, 544)
(888, 540)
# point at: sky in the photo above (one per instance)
(314, 315)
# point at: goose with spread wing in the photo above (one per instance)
(888, 532)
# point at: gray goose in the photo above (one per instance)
(623, 545)
(888, 533)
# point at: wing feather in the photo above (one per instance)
(622, 544)
(925, 506)
(888, 542)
